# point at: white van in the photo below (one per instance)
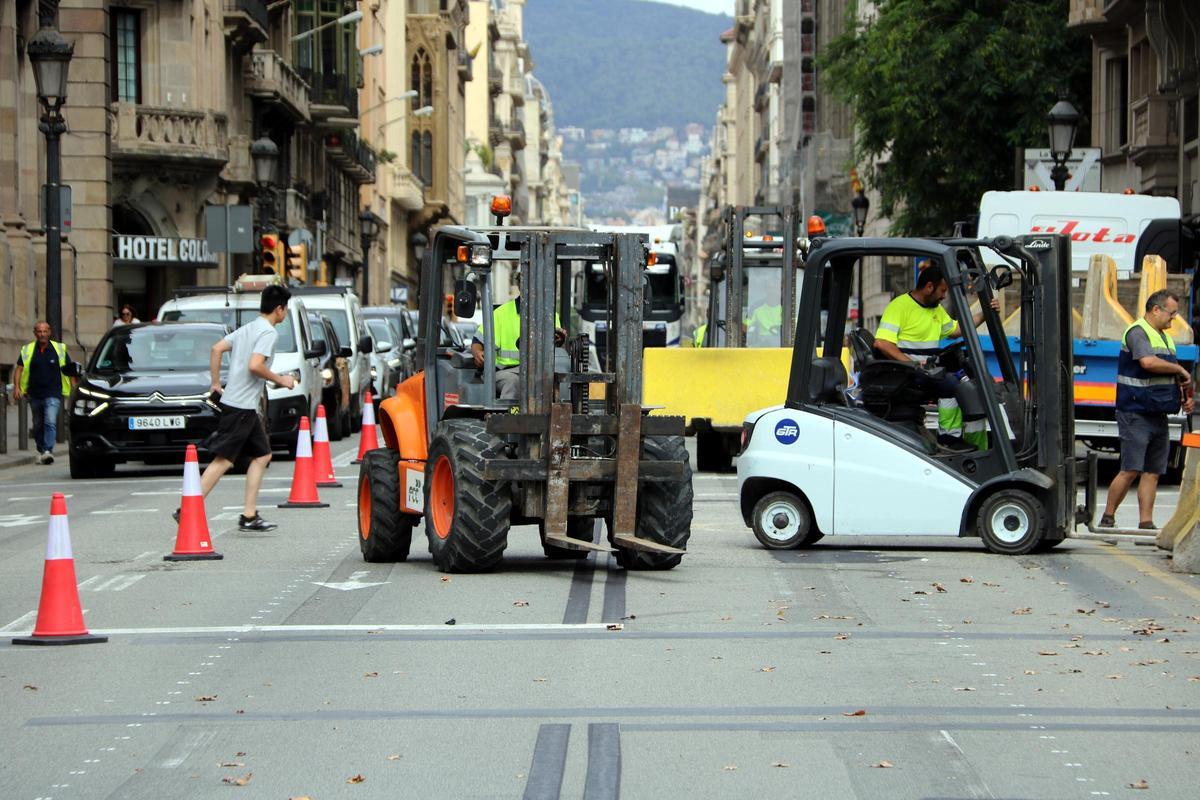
(295, 353)
(341, 305)
(1122, 226)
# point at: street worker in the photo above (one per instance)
(765, 322)
(241, 432)
(698, 336)
(1151, 385)
(912, 329)
(45, 376)
(506, 330)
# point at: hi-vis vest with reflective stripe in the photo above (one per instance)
(1138, 389)
(27, 357)
(920, 331)
(507, 324)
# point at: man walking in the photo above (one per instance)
(1150, 381)
(44, 375)
(241, 431)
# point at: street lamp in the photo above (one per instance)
(345, 19)
(368, 228)
(264, 154)
(1063, 122)
(860, 204)
(50, 55)
(419, 243)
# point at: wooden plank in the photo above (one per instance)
(558, 482)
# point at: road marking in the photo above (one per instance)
(155, 494)
(19, 623)
(88, 582)
(118, 583)
(1162, 575)
(19, 520)
(448, 629)
(39, 497)
(348, 585)
(127, 511)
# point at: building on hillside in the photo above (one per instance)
(1145, 94)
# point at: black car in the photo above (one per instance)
(144, 396)
(335, 377)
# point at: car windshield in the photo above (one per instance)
(380, 331)
(234, 318)
(157, 349)
(341, 325)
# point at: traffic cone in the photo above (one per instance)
(367, 440)
(322, 458)
(192, 542)
(304, 476)
(60, 617)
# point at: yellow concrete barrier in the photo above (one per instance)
(1183, 522)
(720, 384)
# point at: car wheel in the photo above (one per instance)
(1011, 522)
(783, 521)
(333, 421)
(356, 409)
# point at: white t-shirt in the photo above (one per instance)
(243, 388)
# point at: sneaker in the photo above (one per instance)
(175, 515)
(255, 523)
(1107, 521)
(46, 458)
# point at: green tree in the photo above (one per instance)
(948, 88)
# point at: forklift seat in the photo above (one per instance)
(862, 345)
(827, 383)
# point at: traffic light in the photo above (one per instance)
(297, 263)
(270, 251)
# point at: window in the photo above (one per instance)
(421, 79)
(126, 56)
(415, 160)
(427, 158)
(1116, 103)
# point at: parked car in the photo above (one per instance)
(295, 353)
(335, 377)
(385, 359)
(340, 304)
(143, 396)
(403, 324)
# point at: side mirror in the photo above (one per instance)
(1002, 276)
(365, 344)
(383, 347)
(409, 344)
(345, 352)
(716, 273)
(318, 350)
(464, 298)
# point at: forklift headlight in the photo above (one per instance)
(481, 255)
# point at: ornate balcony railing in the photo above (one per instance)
(269, 77)
(246, 21)
(170, 134)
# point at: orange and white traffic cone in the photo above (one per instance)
(322, 457)
(60, 617)
(192, 542)
(368, 439)
(304, 476)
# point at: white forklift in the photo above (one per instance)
(861, 463)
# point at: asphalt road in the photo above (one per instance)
(874, 668)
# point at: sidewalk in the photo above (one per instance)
(15, 457)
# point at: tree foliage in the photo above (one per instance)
(944, 90)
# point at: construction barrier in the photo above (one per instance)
(322, 456)
(304, 476)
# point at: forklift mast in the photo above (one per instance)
(732, 315)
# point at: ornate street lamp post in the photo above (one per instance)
(369, 227)
(50, 55)
(861, 206)
(1063, 122)
(264, 154)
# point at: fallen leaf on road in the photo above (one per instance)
(941, 589)
(920, 591)
(1103, 603)
(631, 616)
(841, 636)
(1031, 672)
(445, 579)
(451, 621)
(1194, 678)
(967, 622)
(860, 713)
(1145, 662)
(729, 767)
(520, 603)
(394, 758)
(206, 698)
(1142, 784)
(1164, 640)
(825, 652)
(30, 687)
(1047, 652)
(964, 688)
(827, 616)
(966, 580)
(242, 781)
(238, 754)
(1094, 653)
(780, 764)
(766, 669)
(370, 674)
(1085, 611)
(1126, 649)
(540, 680)
(232, 764)
(883, 765)
(1114, 677)
(1022, 611)
(300, 797)
(356, 779)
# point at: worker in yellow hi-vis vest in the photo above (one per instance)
(506, 333)
(44, 375)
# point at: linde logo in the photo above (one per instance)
(787, 431)
(1069, 228)
(1038, 244)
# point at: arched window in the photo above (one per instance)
(421, 79)
(427, 158)
(426, 82)
(415, 79)
(415, 162)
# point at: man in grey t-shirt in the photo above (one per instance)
(241, 432)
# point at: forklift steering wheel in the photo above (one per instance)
(951, 356)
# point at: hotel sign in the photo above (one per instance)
(162, 250)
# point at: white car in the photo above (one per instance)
(340, 304)
(295, 353)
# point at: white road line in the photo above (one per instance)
(447, 629)
(20, 622)
(120, 584)
(39, 497)
(113, 511)
(88, 582)
(154, 494)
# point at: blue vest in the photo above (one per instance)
(1138, 389)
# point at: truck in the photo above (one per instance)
(1123, 247)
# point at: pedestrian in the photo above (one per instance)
(126, 316)
(45, 376)
(241, 433)
(1151, 384)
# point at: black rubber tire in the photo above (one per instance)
(1046, 545)
(798, 512)
(334, 419)
(346, 422)
(356, 408)
(711, 455)
(384, 532)
(1005, 514)
(582, 528)
(664, 509)
(477, 532)
(84, 467)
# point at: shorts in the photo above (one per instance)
(1145, 442)
(241, 432)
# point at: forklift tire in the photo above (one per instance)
(1011, 522)
(582, 528)
(466, 516)
(384, 533)
(711, 455)
(664, 510)
(783, 521)
(1046, 545)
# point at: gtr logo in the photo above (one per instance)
(787, 431)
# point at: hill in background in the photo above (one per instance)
(627, 63)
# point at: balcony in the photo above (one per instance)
(1083, 13)
(176, 136)
(334, 99)
(760, 148)
(495, 78)
(401, 186)
(514, 131)
(246, 22)
(355, 157)
(808, 82)
(270, 78)
(465, 70)
(1152, 124)
(516, 87)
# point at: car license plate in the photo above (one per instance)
(158, 423)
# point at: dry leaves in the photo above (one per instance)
(781, 764)
(1031, 672)
(520, 603)
(941, 589)
(993, 585)
(30, 687)
(232, 764)
(1142, 784)
(827, 616)
(1145, 662)
(1085, 611)
(1114, 677)
(370, 674)
(920, 591)
(966, 580)
(242, 781)
(842, 636)
(860, 713)
(766, 669)
(445, 579)
(1047, 652)
(964, 688)
(729, 767)
(355, 779)
(883, 765)
(394, 757)
(1094, 653)
(206, 698)
(1020, 611)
